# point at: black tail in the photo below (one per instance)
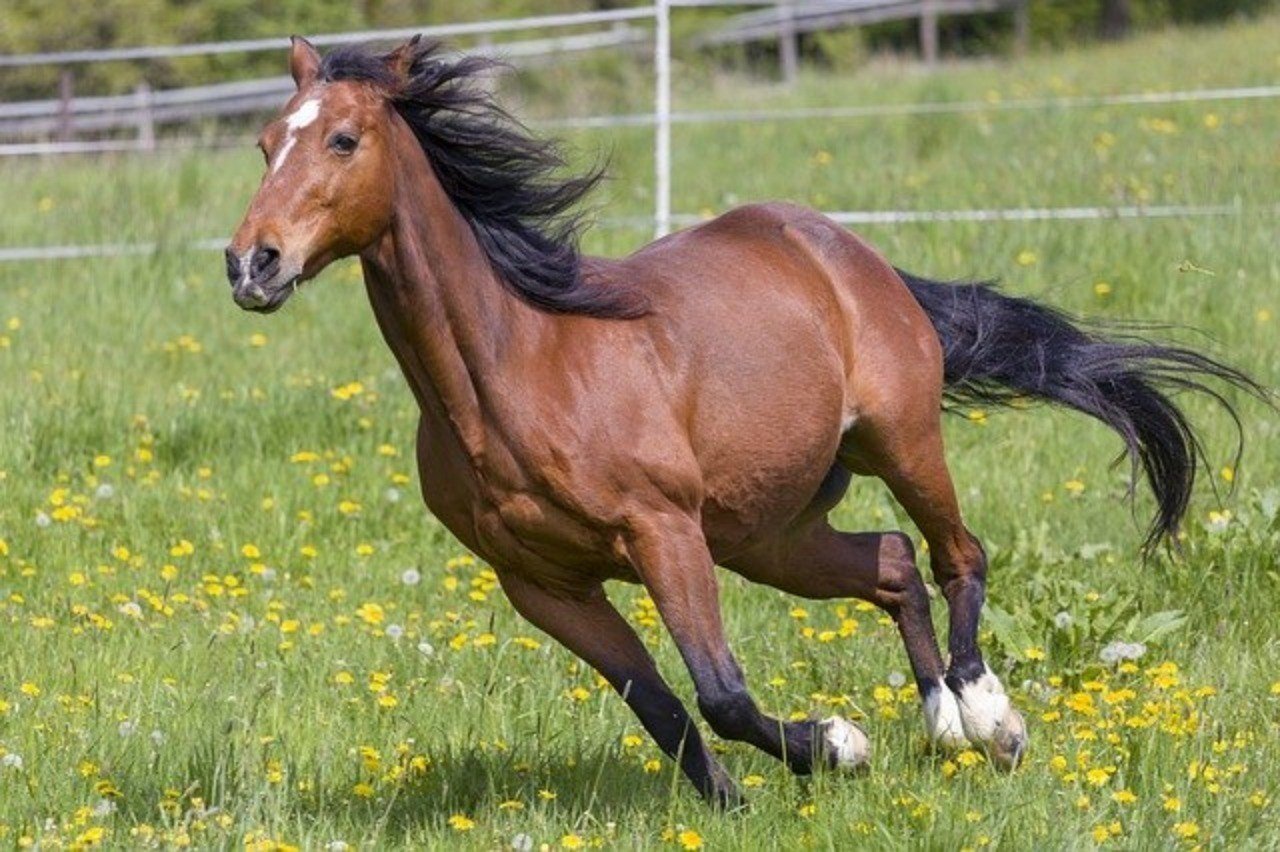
(999, 348)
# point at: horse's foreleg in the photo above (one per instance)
(818, 562)
(671, 557)
(587, 624)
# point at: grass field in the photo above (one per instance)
(230, 621)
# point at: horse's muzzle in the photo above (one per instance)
(256, 280)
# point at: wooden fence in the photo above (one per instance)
(139, 113)
(788, 19)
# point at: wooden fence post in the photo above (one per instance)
(146, 119)
(788, 42)
(1021, 26)
(66, 93)
(929, 32)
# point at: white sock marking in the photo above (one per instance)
(983, 707)
(846, 742)
(305, 114)
(942, 718)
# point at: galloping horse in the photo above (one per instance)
(703, 401)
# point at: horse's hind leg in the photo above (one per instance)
(587, 624)
(670, 554)
(907, 455)
(818, 562)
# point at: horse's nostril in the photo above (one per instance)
(233, 266)
(265, 259)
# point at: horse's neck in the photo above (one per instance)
(441, 307)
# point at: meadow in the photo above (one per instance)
(230, 622)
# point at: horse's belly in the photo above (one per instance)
(763, 495)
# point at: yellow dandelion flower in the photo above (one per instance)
(572, 841)
(461, 822)
(689, 839)
(1187, 830)
(1098, 776)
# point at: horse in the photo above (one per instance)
(704, 401)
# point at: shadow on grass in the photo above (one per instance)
(469, 781)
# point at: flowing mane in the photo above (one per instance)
(502, 179)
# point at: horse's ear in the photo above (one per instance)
(304, 61)
(400, 60)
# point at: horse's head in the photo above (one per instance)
(327, 191)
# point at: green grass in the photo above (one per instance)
(198, 690)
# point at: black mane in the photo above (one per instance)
(502, 179)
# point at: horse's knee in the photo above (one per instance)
(731, 713)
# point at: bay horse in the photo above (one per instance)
(703, 401)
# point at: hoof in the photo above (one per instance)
(990, 722)
(845, 745)
(942, 719)
(1010, 742)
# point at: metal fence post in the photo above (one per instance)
(66, 92)
(662, 118)
(146, 118)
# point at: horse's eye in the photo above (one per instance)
(343, 143)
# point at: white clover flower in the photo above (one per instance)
(1063, 620)
(522, 842)
(104, 808)
(426, 649)
(43, 520)
(11, 760)
(393, 495)
(127, 728)
(411, 577)
(394, 632)
(336, 846)
(131, 609)
(896, 679)
(105, 491)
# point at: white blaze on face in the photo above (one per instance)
(305, 114)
